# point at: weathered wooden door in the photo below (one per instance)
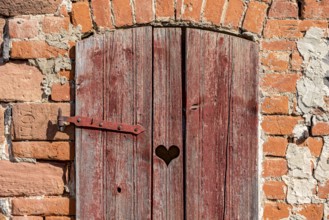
(194, 92)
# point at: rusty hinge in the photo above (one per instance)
(62, 121)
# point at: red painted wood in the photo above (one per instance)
(89, 143)
(128, 92)
(120, 78)
(221, 127)
(241, 178)
(117, 165)
(208, 83)
(168, 188)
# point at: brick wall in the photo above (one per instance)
(37, 73)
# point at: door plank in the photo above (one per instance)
(168, 202)
(89, 148)
(114, 83)
(208, 79)
(241, 180)
(128, 94)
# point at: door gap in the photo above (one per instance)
(183, 54)
(152, 124)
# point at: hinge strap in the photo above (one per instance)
(87, 122)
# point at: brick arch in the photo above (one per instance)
(235, 16)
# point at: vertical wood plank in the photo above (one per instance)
(128, 95)
(241, 180)
(168, 201)
(89, 149)
(208, 75)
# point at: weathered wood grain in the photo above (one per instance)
(208, 79)
(168, 198)
(128, 99)
(89, 142)
(241, 174)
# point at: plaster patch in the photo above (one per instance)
(4, 207)
(312, 87)
(300, 132)
(299, 161)
(322, 169)
(300, 191)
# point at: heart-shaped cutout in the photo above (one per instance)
(167, 155)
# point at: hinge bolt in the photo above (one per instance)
(119, 127)
(100, 124)
(136, 129)
(79, 119)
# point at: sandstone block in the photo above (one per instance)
(20, 82)
(39, 121)
(27, 179)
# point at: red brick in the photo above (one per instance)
(213, 11)
(47, 206)
(276, 210)
(276, 61)
(101, 13)
(291, 28)
(60, 93)
(44, 150)
(28, 179)
(27, 218)
(323, 190)
(81, 16)
(282, 28)
(315, 145)
(34, 49)
(20, 82)
(143, 11)
(280, 125)
(23, 28)
(313, 9)
(38, 121)
(320, 129)
(296, 61)
(53, 24)
(122, 13)
(192, 10)
(311, 211)
(304, 25)
(275, 105)
(275, 190)
(283, 9)
(274, 167)
(21, 7)
(278, 45)
(165, 9)
(63, 11)
(275, 146)
(234, 13)
(279, 82)
(255, 17)
(68, 74)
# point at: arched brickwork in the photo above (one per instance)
(37, 71)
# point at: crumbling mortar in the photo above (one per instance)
(203, 6)
(112, 13)
(95, 26)
(133, 10)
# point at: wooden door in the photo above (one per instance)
(194, 92)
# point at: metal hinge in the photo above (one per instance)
(86, 122)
